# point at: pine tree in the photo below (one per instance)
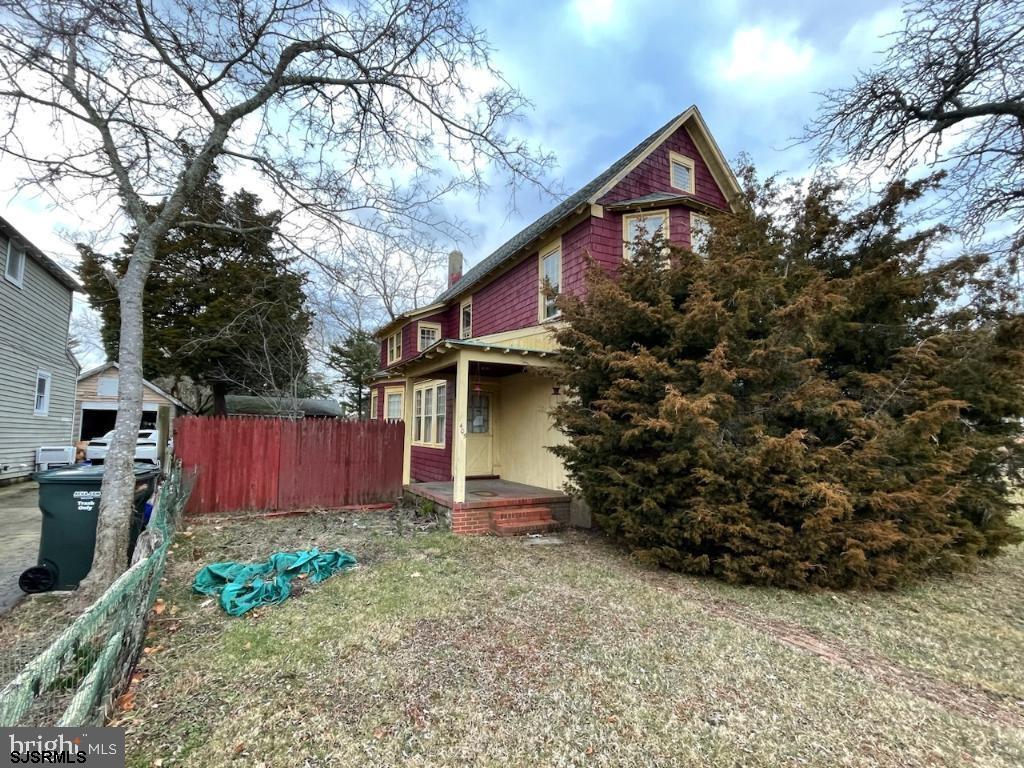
(809, 403)
(224, 306)
(357, 358)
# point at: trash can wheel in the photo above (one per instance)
(38, 578)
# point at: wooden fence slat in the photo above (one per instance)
(260, 464)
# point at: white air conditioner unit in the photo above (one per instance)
(50, 456)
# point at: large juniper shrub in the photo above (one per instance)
(817, 400)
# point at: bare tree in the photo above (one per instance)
(950, 94)
(368, 282)
(359, 115)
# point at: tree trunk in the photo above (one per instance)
(111, 554)
(220, 399)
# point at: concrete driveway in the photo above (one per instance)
(19, 538)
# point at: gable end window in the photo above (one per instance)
(680, 172)
(42, 402)
(466, 319)
(645, 226)
(14, 270)
(394, 347)
(428, 335)
(550, 282)
(429, 409)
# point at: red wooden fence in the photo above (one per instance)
(280, 464)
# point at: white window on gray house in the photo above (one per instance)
(42, 405)
(14, 270)
(106, 386)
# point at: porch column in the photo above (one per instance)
(459, 428)
(407, 447)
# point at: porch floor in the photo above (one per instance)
(488, 493)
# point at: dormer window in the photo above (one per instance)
(429, 334)
(680, 172)
(394, 347)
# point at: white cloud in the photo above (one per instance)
(762, 55)
(593, 14)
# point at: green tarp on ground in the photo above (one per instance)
(244, 586)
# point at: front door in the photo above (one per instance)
(479, 435)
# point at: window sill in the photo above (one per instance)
(435, 446)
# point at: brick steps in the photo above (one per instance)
(522, 520)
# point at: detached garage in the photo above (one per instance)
(96, 405)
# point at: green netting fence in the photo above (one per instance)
(75, 679)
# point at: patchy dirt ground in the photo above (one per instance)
(444, 651)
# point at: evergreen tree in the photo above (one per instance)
(357, 358)
(223, 305)
(809, 403)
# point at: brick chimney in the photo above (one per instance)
(454, 267)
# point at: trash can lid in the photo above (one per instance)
(88, 473)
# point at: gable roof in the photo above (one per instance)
(597, 188)
(51, 266)
(148, 385)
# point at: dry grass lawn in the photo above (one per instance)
(444, 651)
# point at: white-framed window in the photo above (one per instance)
(394, 405)
(42, 393)
(429, 333)
(680, 172)
(14, 269)
(700, 233)
(373, 402)
(429, 414)
(644, 226)
(394, 347)
(466, 319)
(550, 282)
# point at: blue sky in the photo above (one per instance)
(603, 74)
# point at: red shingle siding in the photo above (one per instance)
(576, 244)
(436, 463)
(652, 175)
(509, 302)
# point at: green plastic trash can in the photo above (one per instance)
(69, 499)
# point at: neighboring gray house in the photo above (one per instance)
(37, 370)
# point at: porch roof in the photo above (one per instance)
(445, 347)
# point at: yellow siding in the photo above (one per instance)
(534, 337)
(525, 432)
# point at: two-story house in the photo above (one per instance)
(470, 373)
(37, 370)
